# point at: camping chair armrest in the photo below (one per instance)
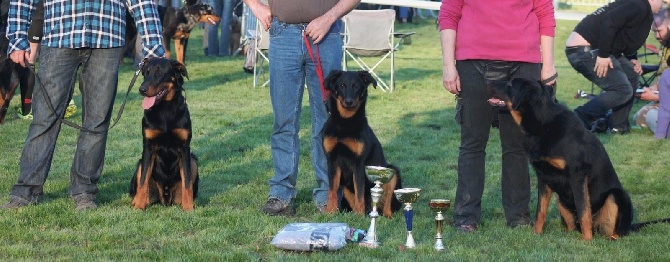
(405, 37)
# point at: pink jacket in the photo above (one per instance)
(507, 30)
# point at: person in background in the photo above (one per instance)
(63, 50)
(295, 25)
(219, 44)
(603, 48)
(647, 116)
(473, 55)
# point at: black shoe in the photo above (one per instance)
(248, 70)
(276, 207)
(618, 131)
(599, 126)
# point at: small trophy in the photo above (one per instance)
(439, 205)
(408, 196)
(379, 175)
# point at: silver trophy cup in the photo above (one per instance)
(408, 196)
(439, 206)
(379, 175)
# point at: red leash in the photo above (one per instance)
(325, 93)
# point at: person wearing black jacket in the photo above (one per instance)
(603, 47)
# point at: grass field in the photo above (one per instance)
(232, 122)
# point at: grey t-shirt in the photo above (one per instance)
(300, 11)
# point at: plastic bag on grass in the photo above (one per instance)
(312, 236)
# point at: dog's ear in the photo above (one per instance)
(179, 68)
(330, 82)
(367, 78)
(143, 64)
(191, 2)
(522, 89)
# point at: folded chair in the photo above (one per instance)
(370, 33)
(261, 47)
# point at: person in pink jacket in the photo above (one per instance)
(484, 41)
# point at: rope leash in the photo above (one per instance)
(72, 124)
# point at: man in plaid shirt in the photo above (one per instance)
(82, 34)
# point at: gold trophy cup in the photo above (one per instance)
(439, 206)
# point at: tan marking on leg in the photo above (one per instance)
(141, 198)
(349, 196)
(359, 199)
(567, 216)
(516, 115)
(333, 204)
(179, 49)
(586, 222)
(186, 192)
(543, 207)
(387, 197)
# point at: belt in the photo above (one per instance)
(578, 49)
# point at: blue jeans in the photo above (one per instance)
(474, 115)
(220, 44)
(98, 82)
(290, 69)
(617, 86)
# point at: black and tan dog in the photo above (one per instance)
(13, 76)
(569, 161)
(167, 173)
(350, 145)
(178, 22)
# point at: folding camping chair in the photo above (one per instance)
(261, 47)
(370, 33)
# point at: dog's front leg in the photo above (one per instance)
(145, 168)
(334, 176)
(179, 49)
(567, 216)
(186, 179)
(543, 199)
(360, 180)
(583, 204)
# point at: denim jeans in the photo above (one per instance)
(220, 44)
(290, 70)
(56, 76)
(474, 114)
(617, 86)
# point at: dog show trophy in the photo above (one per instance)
(408, 196)
(379, 175)
(439, 205)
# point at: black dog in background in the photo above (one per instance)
(177, 24)
(167, 173)
(12, 75)
(570, 161)
(350, 145)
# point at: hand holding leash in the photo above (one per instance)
(20, 57)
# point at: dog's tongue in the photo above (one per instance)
(211, 21)
(148, 102)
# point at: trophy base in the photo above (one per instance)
(369, 244)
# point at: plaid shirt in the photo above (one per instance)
(86, 24)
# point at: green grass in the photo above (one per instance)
(232, 122)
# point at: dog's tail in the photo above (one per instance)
(637, 226)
